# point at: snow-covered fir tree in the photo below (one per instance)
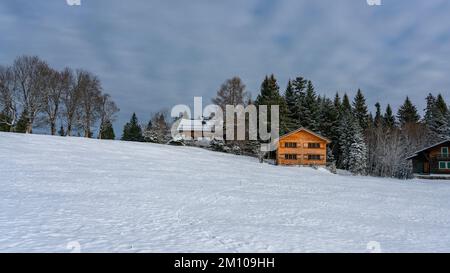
(106, 131)
(352, 145)
(346, 133)
(292, 105)
(132, 131)
(407, 113)
(157, 130)
(357, 160)
(389, 118)
(360, 110)
(437, 117)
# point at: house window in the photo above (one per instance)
(313, 157)
(290, 145)
(444, 165)
(290, 157)
(313, 145)
(444, 150)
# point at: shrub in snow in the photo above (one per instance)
(217, 145)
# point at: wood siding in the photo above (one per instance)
(435, 157)
(427, 162)
(302, 139)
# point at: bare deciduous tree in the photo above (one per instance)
(389, 148)
(231, 92)
(108, 110)
(57, 85)
(28, 74)
(40, 93)
(70, 99)
(8, 98)
(89, 90)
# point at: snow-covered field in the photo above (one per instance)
(113, 196)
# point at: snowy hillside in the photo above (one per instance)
(139, 197)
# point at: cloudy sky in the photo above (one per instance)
(155, 54)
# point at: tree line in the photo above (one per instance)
(362, 142)
(33, 95)
(157, 130)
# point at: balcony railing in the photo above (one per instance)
(441, 157)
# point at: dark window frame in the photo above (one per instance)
(290, 145)
(290, 157)
(313, 145)
(314, 157)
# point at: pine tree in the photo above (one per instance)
(4, 123)
(346, 139)
(330, 156)
(441, 105)
(150, 134)
(270, 95)
(132, 131)
(292, 119)
(157, 130)
(389, 118)
(360, 110)
(346, 106)
(429, 110)
(371, 120)
(378, 120)
(337, 103)
(107, 131)
(442, 118)
(437, 118)
(353, 149)
(299, 88)
(407, 113)
(358, 153)
(310, 109)
(22, 123)
(61, 131)
(328, 124)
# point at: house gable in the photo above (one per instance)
(434, 159)
(302, 147)
(305, 131)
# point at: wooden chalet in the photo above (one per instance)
(433, 160)
(302, 147)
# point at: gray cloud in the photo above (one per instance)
(155, 54)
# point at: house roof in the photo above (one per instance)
(416, 153)
(307, 130)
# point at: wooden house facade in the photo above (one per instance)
(432, 160)
(302, 147)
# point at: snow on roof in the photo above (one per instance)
(195, 125)
(304, 129)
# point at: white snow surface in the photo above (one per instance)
(114, 196)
